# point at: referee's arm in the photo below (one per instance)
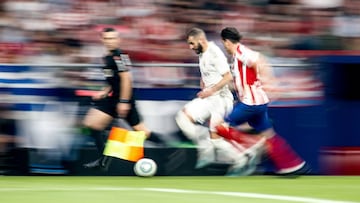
(125, 86)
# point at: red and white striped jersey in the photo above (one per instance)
(246, 77)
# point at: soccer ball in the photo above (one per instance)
(145, 167)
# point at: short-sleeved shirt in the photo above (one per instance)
(246, 79)
(114, 63)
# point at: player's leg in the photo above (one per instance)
(285, 159)
(250, 146)
(96, 121)
(152, 136)
(225, 151)
(135, 120)
(239, 115)
(190, 120)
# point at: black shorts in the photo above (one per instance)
(108, 106)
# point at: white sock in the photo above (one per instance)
(226, 149)
(199, 134)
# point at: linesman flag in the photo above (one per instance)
(125, 144)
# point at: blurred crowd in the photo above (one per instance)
(66, 31)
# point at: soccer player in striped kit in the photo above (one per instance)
(252, 74)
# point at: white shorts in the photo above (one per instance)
(212, 109)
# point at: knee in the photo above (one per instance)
(268, 133)
(186, 125)
(86, 124)
(182, 117)
(92, 125)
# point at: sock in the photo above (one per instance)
(155, 137)
(105, 162)
(203, 140)
(283, 156)
(230, 133)
(225, 132)
(227, 150)
(204, 144)
(99, 140)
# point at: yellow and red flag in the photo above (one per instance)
(125, 144)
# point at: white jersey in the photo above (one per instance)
(246, 79)
(213, 65)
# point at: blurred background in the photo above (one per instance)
(50, 62)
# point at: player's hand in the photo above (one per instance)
(205, 93)
(123, 109)
(99, 95)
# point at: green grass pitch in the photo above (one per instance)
(183, 189)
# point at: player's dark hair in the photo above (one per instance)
(194, 32)
(109, 29)
(232, 34)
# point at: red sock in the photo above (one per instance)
(282, 155)
(224, 132)
(243, 138)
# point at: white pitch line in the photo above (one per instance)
(169, 190)
(250, 195)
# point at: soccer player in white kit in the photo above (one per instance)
(212, 103)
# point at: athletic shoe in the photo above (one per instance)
(243, 169)
(93, 165)
(247, 163)
(304, 170)
(102, 163)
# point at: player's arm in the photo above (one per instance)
(266, 76)
(226, 79)
(124, 105)
(126, 86)
(263, 68)
(224, 69)
(123, 67)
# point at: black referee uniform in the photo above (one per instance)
(114, 63)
